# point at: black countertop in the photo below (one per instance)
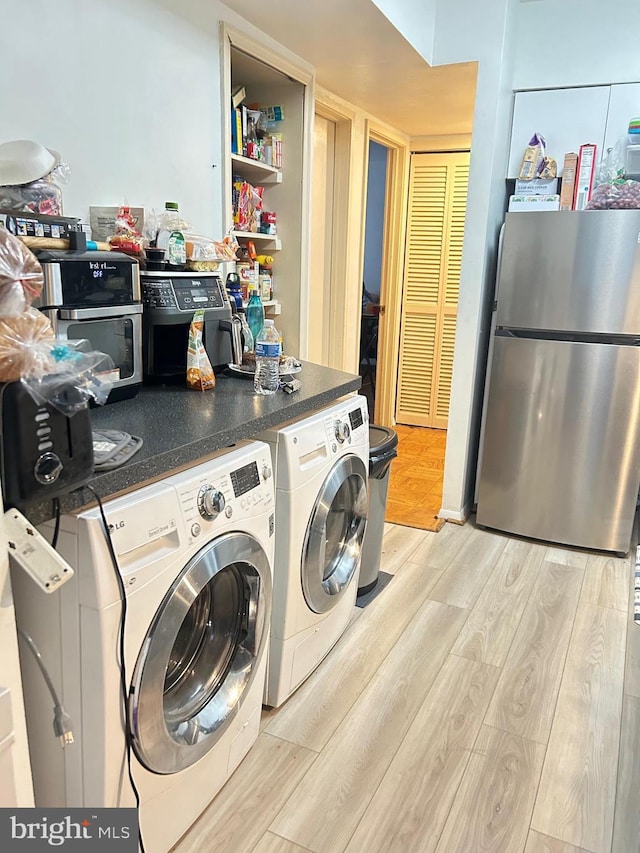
(180, 426)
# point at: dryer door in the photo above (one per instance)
(201, 653)
(333, 541)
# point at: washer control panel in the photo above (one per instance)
(227, 494)
(348, 424)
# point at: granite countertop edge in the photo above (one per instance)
(160, 465)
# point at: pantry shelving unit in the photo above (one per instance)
(273, 243)
(270, 81)
(255, 170)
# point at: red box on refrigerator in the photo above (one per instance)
(584, 176)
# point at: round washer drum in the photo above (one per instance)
(200, 654)
(335, 532)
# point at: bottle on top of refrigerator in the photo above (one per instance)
(267, 376)
(255, 313)
(171, 238)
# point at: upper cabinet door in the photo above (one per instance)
(623, 105)
(567, 118)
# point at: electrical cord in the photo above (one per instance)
(56, 529)
(62, 726)
(123, 675)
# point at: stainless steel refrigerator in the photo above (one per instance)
(560, 446)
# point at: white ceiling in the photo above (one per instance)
(360, 56)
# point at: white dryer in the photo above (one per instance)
(321, 465)
(195, 553)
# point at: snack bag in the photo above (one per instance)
(127, 237)
(533, 160)
(200, 375)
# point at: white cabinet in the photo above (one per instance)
(566, 118)
(624, 104)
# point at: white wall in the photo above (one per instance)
(374, 233)
(487, 36)
(576, 43)
(127, 92)
(415, 19)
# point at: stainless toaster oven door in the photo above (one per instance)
(119, 337)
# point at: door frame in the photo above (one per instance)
(346, 265)
(392, 272)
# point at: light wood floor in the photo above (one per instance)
(415, 485)
(487, 701)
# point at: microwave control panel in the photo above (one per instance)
(182, 294)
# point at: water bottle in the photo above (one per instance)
(255, 314)
(248, 343)
(234, 289)
(267, 377)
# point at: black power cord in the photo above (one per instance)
(123, 675)
(56, 529)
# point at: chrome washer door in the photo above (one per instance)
(333, 541)
(201, 653)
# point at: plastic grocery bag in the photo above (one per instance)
(29, 351)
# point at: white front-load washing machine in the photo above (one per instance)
(321, 469)
(195, 554)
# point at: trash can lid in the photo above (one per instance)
(381, 440)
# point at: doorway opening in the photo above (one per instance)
(374, 237)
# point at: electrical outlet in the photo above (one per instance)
(31, 551)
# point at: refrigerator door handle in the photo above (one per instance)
(568, 337)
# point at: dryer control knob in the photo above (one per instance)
(211, 502)
(343, 431)
(266, 472)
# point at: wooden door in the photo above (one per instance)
(433, 257)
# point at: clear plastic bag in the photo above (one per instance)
(21, 277)
(618, 195)
(73, 364)
(611, 167)
(29, 351)
(41, 196)
(205, 249)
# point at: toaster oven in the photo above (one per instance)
(96, 296)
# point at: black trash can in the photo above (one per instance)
(383, 449)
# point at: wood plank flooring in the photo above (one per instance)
(487, 701)
(415, 485)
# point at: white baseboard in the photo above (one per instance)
(457, 515)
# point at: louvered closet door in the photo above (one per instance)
(433, 257)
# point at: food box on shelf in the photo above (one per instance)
(537, 186)
(567, 189)
(520, 203)
(584, 176)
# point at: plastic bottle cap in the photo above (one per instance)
(171, 205)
